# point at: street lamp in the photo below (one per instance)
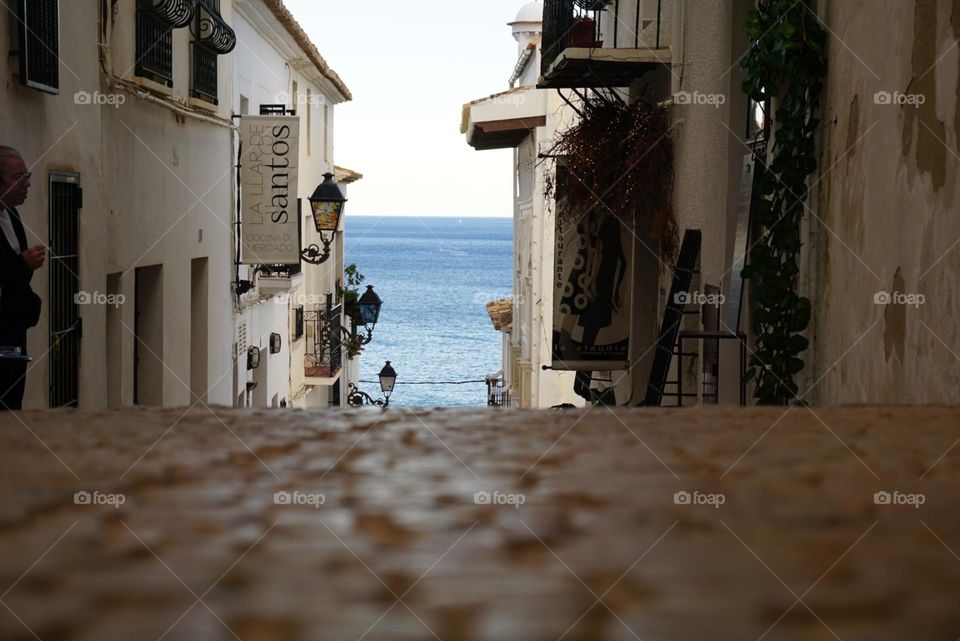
(327, 204)
(388, 378)
(368, 307)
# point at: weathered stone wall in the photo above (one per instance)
(777, 531)
(887, 219)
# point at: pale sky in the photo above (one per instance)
(411, 66)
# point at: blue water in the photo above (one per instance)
(434, 276)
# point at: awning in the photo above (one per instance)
(503, 120)
(345, 176)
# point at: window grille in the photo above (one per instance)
(39, 56)
(204, 77)
(298, 323)
(64, 295)
(154, 45)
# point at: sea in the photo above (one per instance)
(435, 276)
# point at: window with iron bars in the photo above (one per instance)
(203, 75)
(39, 54)
(154, 45)
(298, 322)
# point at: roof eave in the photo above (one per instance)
(285, 18)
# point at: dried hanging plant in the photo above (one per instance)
(618, 162)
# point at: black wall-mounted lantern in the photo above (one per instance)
(326, 203)
(368, 311)
(369, 305)
(275, 343)
(253, 358)
(388, 378)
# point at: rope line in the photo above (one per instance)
(428, 382)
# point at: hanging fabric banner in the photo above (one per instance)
(591, 301)
(269, 159)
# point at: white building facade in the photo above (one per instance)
(124, 114)
(278, 67)
(525, 119)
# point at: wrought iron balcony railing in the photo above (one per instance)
(281, 271)
(497, 394)
(176, 13)
(211, 29)
(575, 31)
(324, 353)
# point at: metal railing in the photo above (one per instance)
(609, 24)
(212, 30)
(324, 353)
(497, 394)
(281, 271)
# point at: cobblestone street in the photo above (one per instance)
(310, 526)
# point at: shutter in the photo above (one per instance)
(39, 23)
(241, 339)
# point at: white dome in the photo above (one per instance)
(531, 12)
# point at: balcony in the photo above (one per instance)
(498, 395)
(279, 279)
(602, 43)
(323, 355)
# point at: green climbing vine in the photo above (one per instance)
(785, 66)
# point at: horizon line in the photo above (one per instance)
(427, 216)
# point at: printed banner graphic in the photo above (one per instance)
(591, 301)
(268, 177)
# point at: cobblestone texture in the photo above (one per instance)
(599, 549)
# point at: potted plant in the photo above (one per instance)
(583, 34)
(349, 293)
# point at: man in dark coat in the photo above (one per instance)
(19, 305)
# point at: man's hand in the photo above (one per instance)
(35, 256)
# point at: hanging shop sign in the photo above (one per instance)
(268, 175)
(591, 300)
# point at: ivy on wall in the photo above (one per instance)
(785, 66)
